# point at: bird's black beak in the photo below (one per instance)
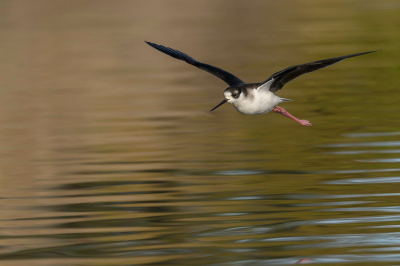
(224, 101)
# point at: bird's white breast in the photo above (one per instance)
(257, 102)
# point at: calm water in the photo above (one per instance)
(110, 156)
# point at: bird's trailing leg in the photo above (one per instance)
(282, 111)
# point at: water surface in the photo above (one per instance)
(110, 156)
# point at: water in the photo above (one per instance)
(109, 155)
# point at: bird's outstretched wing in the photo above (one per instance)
(279, 79)
(222, 74)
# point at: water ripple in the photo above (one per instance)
(363, 152)
(375, 134)
(357, 171)
(388, 160)
(376, 180)
(364, 144)
(368, 209)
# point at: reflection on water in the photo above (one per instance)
(367, 144)
(388, 160)
(377, 180)
(110, 156)
(376, 134)
(364, 151)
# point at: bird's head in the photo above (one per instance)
(232, 95)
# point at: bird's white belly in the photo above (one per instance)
(260, 103)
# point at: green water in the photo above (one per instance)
(110, 156)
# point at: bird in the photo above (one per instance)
(256, 98)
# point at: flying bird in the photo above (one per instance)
(256, 98)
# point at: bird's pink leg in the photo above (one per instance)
(303, 260)
(282, 111)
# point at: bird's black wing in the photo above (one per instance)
(288, 74)
(222, 74)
